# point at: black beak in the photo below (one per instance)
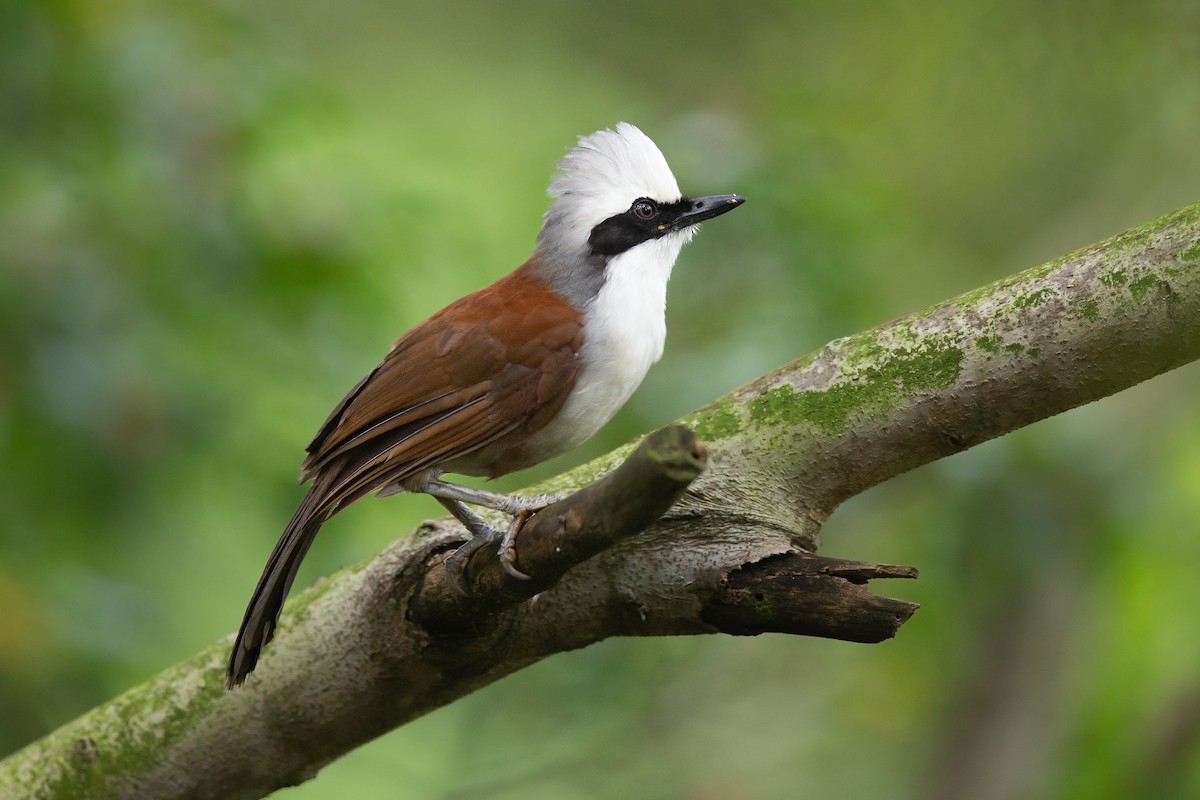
(703, 208)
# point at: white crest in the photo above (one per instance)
(600, 177)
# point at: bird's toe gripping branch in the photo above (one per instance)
(455, 499)
(456, 563)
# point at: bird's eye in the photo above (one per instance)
(645, 209)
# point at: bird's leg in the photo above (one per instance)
(455, 497)
(482, 534)
(506, 503)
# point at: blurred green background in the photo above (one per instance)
(216, 216)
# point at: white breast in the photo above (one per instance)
(623, 335)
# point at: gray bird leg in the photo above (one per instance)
(455, 498)
(507, 503)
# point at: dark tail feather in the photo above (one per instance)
(262, 615)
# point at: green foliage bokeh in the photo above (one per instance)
(214, 218)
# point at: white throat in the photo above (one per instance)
(624, 333)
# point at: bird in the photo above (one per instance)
(509, 376)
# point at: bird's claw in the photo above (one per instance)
(456, 562)
(508, 548)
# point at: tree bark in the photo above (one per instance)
(380, 644)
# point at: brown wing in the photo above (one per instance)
(495, 366)
(468, 386)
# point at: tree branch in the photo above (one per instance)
(809, 595)
(626, 501)
(379, 644)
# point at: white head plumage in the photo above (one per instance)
(599, 178)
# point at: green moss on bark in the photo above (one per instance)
(876, 378)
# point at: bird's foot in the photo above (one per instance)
(508, 548)
(523, 507)
(456, 562)
(519, 507)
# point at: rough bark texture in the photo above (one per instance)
(380, 644)
(810, 595)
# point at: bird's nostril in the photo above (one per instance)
(699, 204)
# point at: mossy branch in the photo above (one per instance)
(369, 648)
(873, 405)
